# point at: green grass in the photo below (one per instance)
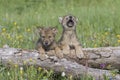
(98, 26)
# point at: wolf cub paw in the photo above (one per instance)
(66, 52)
(43, 56)
(59, 55)
(80, 54)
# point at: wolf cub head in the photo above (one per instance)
(68, 21)
(47, 35)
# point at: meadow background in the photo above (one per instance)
(98, 25)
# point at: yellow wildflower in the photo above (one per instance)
(21, 70)
(15, 23)
(39, 68)
(16, 65)
(95, 45)
(118, 36)
(113, 74)
(19, 37)
(3, 29)
(118, 41)
(28, 30)
(106, 33)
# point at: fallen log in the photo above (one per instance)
(109, 56)
(103, 57)
(19, 56)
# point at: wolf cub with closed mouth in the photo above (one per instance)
(47, 42)
(69, 38)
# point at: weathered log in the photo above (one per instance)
(18, 56)
(109, 56)
(103, 57)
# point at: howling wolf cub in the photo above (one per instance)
(69, 38)
(47, 42)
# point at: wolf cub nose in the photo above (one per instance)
(46, 43)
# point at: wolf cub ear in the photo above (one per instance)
(60, 19)
(39, 29)
(54, 30)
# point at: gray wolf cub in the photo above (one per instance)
(69, 38)
(47, 42)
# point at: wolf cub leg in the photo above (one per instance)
(65, 49)
(42, 56)
(79, 52)
(58, 52)
(51, 53)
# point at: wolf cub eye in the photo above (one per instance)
(67, 18)
(43, 36)
(49, 36)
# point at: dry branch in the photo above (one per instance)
(18, 56)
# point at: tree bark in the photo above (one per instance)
(95, 56)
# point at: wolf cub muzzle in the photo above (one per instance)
(68, 21)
